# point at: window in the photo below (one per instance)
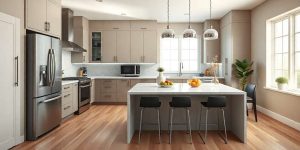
(178, 50)
(285, 50)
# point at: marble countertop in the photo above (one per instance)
(69, 82)
(184, 89)
(152, 77)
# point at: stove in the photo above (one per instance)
(84, 92)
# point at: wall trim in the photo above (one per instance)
(280, 118)
(19, 140)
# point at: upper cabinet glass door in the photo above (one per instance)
(96, 46)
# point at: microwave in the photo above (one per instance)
(130, 70)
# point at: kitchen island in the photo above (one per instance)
(235, 111)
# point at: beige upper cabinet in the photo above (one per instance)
(137, 46)
(123, 46)
(44, 16)
(144, 46)
(143, 25)
(109, 47)
(36, 16)
(150, 47)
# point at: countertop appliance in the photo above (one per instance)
(43, 84)
(84, 92)
(83, 71)
(130, 70)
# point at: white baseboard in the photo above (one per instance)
(283, 119)
(19, 140)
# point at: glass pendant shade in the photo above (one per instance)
(189, 33)
(168, 33)
(210, 34)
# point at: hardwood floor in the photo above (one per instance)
(104, 127)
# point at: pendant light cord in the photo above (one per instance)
(189, 14)
(210, 15)
(168, 14)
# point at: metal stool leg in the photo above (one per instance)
(189, 119)
(171, 125)
(206, 125)
(200, 125)
(141, 122)
(224, 126)
(186, 121)
(158, 123)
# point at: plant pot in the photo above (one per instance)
(160, 78)
(281, 86)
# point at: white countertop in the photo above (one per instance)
(184, 89)
(69, 82)
(151, 77)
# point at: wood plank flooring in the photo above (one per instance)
(103, 127)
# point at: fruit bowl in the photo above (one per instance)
(166, 84)
(194, 83)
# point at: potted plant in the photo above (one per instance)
(281, 83)
(243, 69)
(160, 77)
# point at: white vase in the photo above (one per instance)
(160, 78)
(281, 86)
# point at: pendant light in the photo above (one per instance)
(210, 34)
(168, 33)
(189, 32)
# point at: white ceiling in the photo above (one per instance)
(156, 9)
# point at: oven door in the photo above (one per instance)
(84, 94)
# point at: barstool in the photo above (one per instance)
(150, 102)
(213, 102)
(180, 102)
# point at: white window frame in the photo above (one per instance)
(270, 55)
(180, 38)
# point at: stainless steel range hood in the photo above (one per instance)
(68, 33)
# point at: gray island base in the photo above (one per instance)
(235, 111)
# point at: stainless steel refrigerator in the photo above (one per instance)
(43, 84)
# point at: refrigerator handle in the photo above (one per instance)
(17, 71)
(53, 67)
(49, 68)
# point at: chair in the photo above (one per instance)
(213, 102)
(251, 97)
(184, 103)
(154, 103)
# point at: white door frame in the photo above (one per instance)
(18, 138)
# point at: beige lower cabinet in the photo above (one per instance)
(69, 99)
(110, 90)
(93, 91)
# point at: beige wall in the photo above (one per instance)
(284, 104)
(16, 8)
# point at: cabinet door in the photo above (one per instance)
(75, 96)
(123, 87)
(150, 47)
(54, 18)
(109, 48)
(36, 15)
(137, 46)
(123, 46)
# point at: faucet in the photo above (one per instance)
(180, 69)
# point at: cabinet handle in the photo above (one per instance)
(116, 28)
(67, 107)
(67, 95)
(107, 87)
(46, 26)
(66, 88)
(17, 71)
(143, 28)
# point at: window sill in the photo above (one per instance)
(290, 92)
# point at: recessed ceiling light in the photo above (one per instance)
(186, 14)
(123, 14)
(99, 0)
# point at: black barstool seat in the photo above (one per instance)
(150, 102)
(215, 102)
(180, 102)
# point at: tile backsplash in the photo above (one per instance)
(113, 69)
